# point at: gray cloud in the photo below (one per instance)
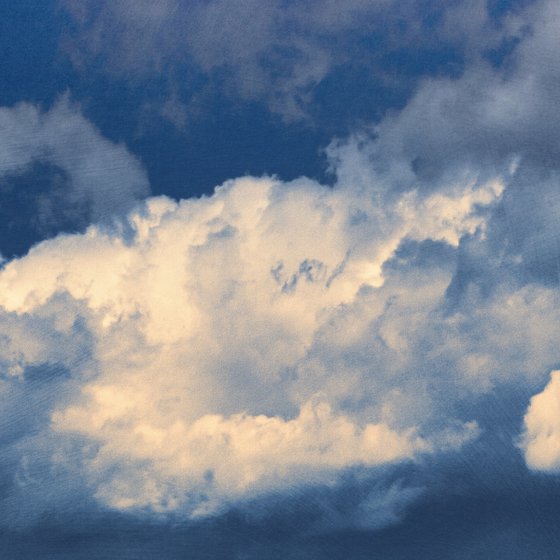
(86, 176)
(272, 51)
(197, 380)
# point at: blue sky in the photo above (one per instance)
(279, 279)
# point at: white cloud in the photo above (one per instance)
(272, 51)
(541, 440)
(198, 321)
(220, 459)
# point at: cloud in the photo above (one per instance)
(221, 459)
(276, 52)
(60, 173)
(254, 42)
(490, 121)
(190, 333)
(275, 335)
(541, 439)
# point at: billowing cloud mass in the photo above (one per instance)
(202, 377)
(190, 356)
(276, 52)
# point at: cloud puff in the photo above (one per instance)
(489, 117)
(541, 440)
(92, 177)
(199, 467)
(191, 335)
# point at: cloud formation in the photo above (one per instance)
(200, 376)
(279, 52)
(87, 177)
(203, 353)
(541, 440)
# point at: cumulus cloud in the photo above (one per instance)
(88, 177)
(272, 51)
(222, 459)
(198, 377)
(492, 120)
(275, 334)
(541, 441)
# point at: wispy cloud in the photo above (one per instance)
(93, 177)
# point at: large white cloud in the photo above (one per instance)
(191, 334)
(274, 334)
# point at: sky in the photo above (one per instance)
(279, 279)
